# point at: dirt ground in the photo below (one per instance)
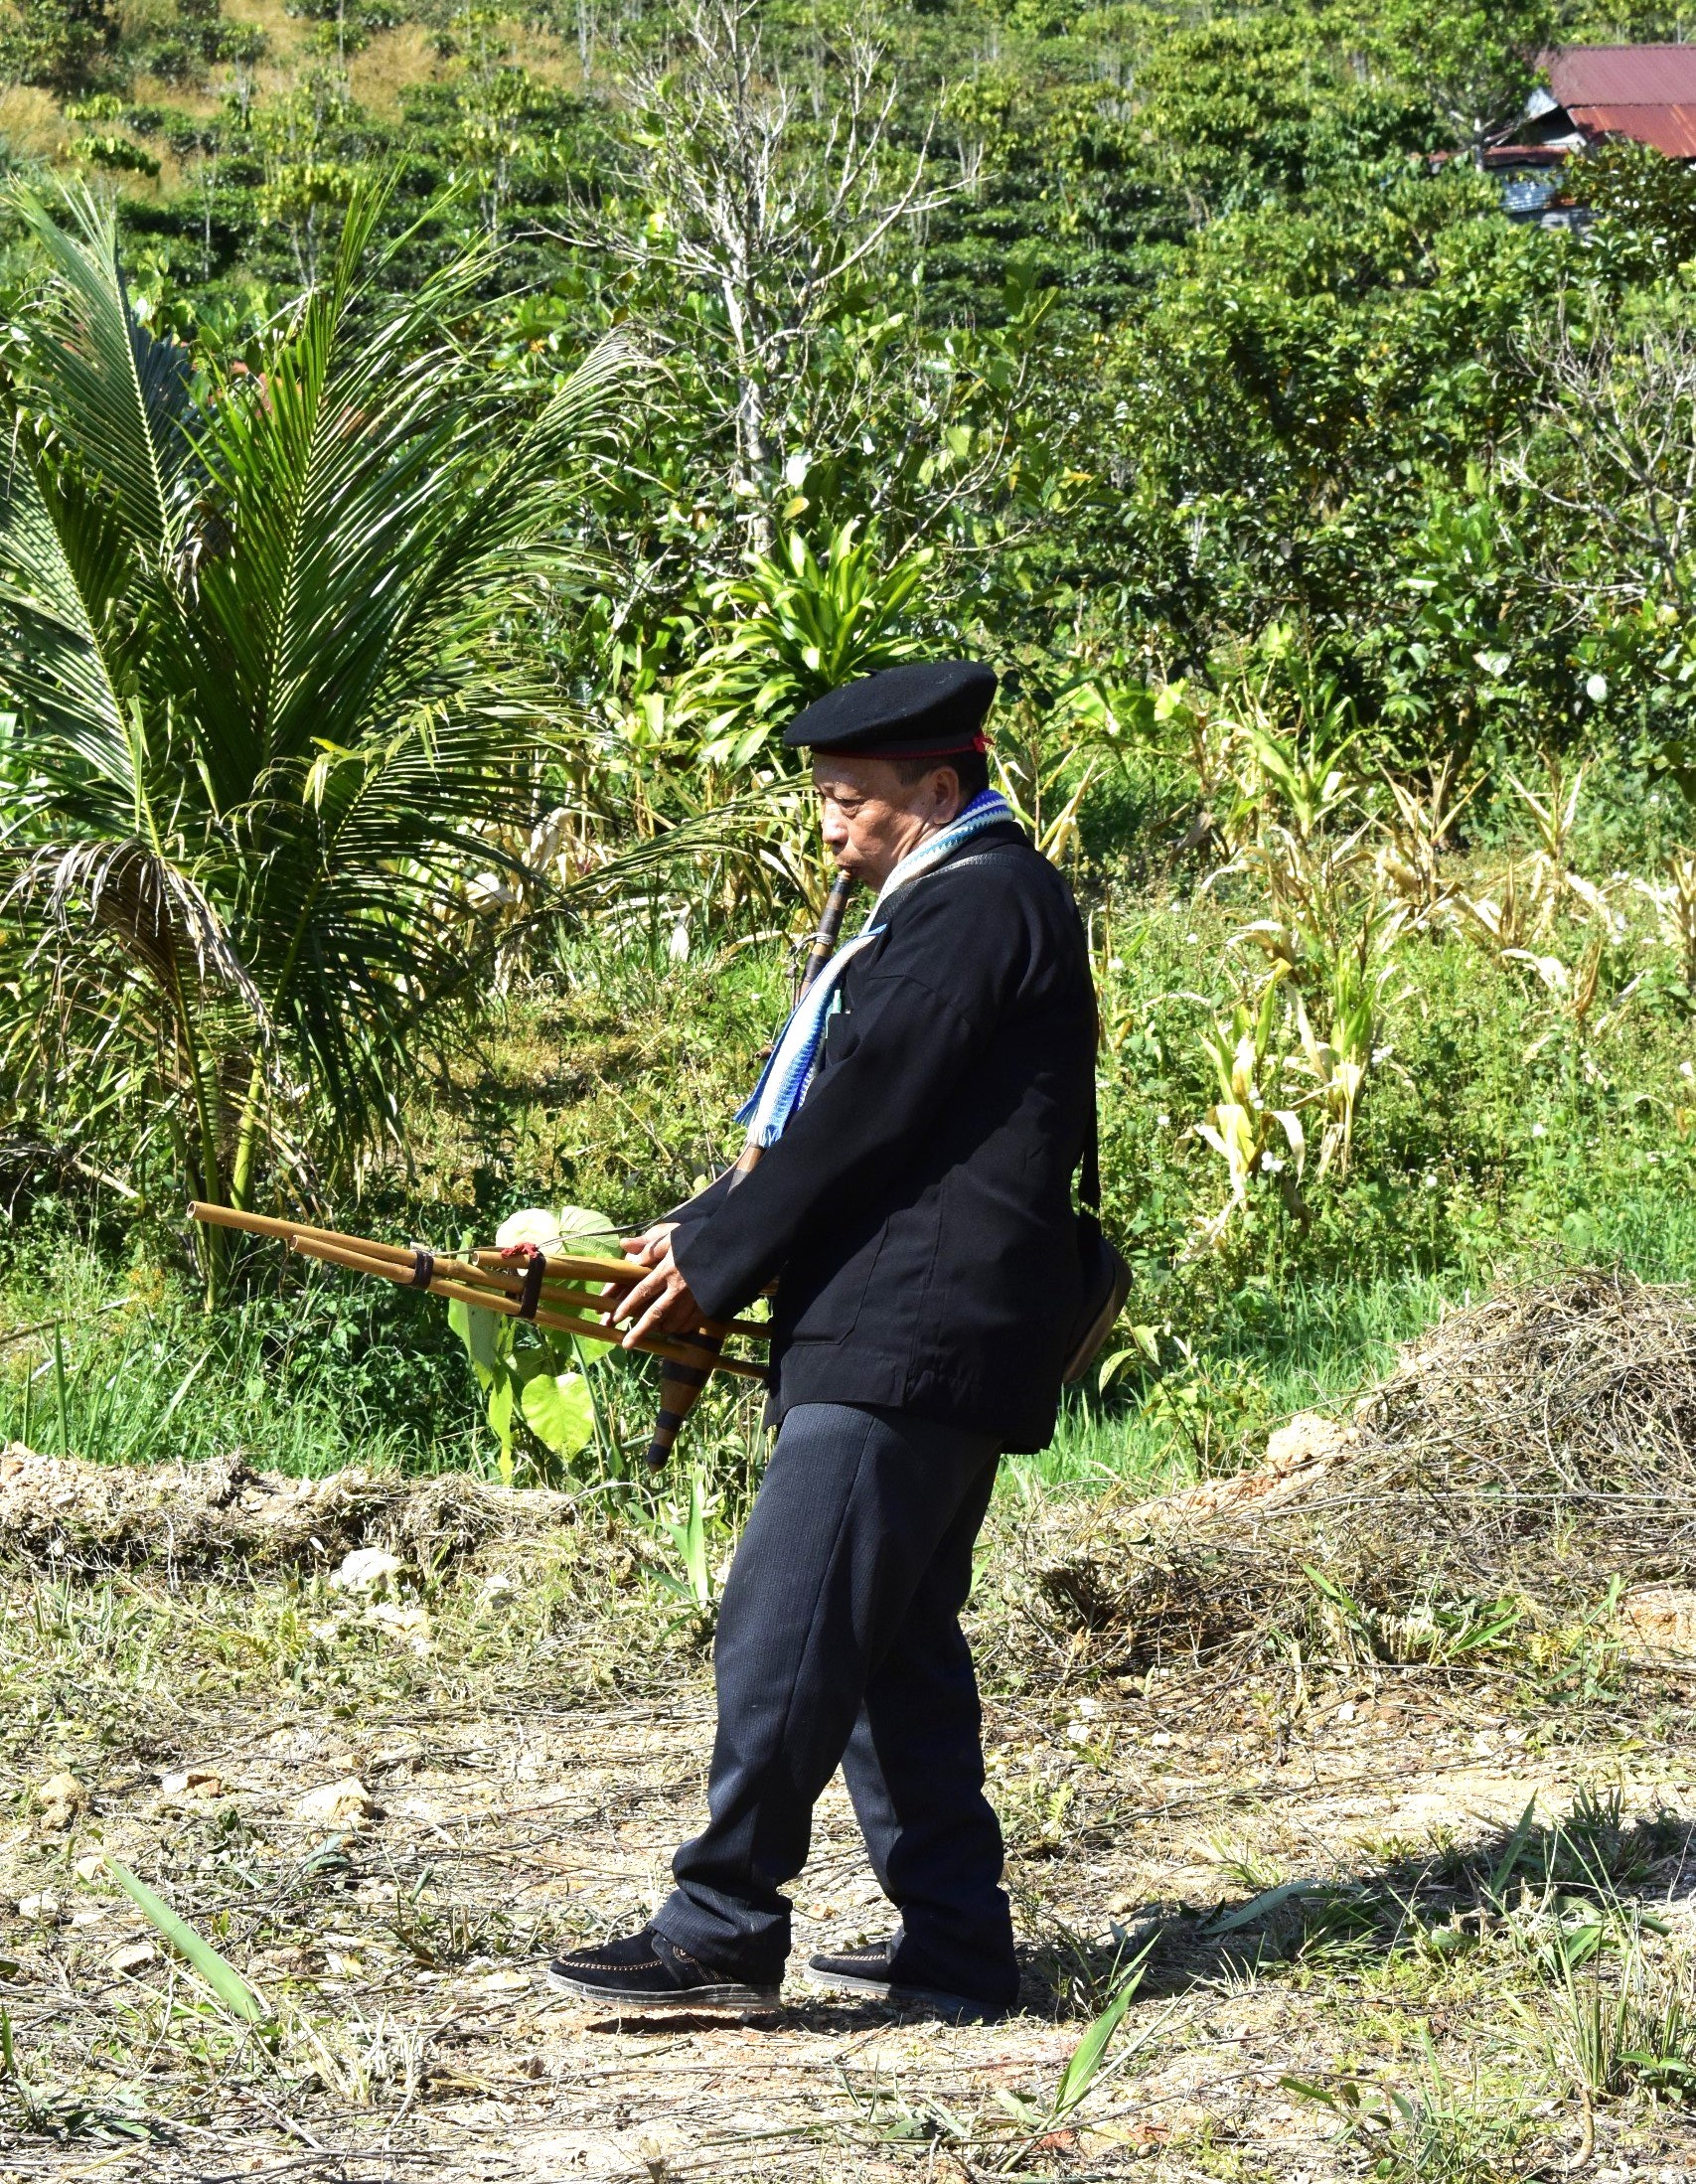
(386, 1802)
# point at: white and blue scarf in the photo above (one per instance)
(783, 1084)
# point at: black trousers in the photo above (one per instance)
(839, 1641)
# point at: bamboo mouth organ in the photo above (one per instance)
(562, 1290)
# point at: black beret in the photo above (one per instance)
(928, 708)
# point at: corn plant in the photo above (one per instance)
(1244, 1126)
(1554, 814)
(1674, 900)
(1418, 833)
(1338, 1060)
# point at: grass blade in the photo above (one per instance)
(1259, 1906)
(1511, 1856)
(219, 1973)
(1080, 2073)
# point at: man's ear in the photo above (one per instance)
(949, 782)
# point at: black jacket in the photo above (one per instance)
(917, 1211)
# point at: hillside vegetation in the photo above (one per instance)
(443, 446)
(1326, 526)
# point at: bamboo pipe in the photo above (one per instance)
(511, 1284)
(593, 1330)
(680, 1388)
(567, 1270)
(618, 1272)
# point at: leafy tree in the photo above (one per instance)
(64, 46)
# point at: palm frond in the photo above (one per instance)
(121, 397)
(158, 914)
(51, 658)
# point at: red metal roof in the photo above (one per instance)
(1670, 129)
(1623, 76)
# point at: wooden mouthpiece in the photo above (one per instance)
(830, 930)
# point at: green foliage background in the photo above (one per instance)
(1180, 361)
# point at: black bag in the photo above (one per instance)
(1106, 1277)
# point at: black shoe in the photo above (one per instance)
(646, 1971)
(869, 1969)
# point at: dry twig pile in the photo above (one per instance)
(1531, 1460)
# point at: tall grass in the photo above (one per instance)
(1484, 1150)
(129, 1370)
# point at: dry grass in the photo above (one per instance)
(1531, 1459)
(1330, 1849)
(31, 124)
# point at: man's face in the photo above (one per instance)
(872, 818)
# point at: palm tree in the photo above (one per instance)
(258, 631)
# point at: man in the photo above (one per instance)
(914, 1206)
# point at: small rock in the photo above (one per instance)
(1309, 1438)
(92, 1866)
(192, 1781)
(500, 1982)
(1658, 1622)
(59, 1800)
(412, 1625)
(367, 1570)
(133, 1956)
(496, 1585)
(42, 1910)
(341, 1801)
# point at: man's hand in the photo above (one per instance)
(662, 1301)
(652, 1245)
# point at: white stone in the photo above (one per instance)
(367, 1568)
(335, 1801)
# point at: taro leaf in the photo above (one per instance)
(590, 1234)
(558, 1410)
(573, 1228)
(487, 1336)
(219, 1973)
(1257, 1907)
